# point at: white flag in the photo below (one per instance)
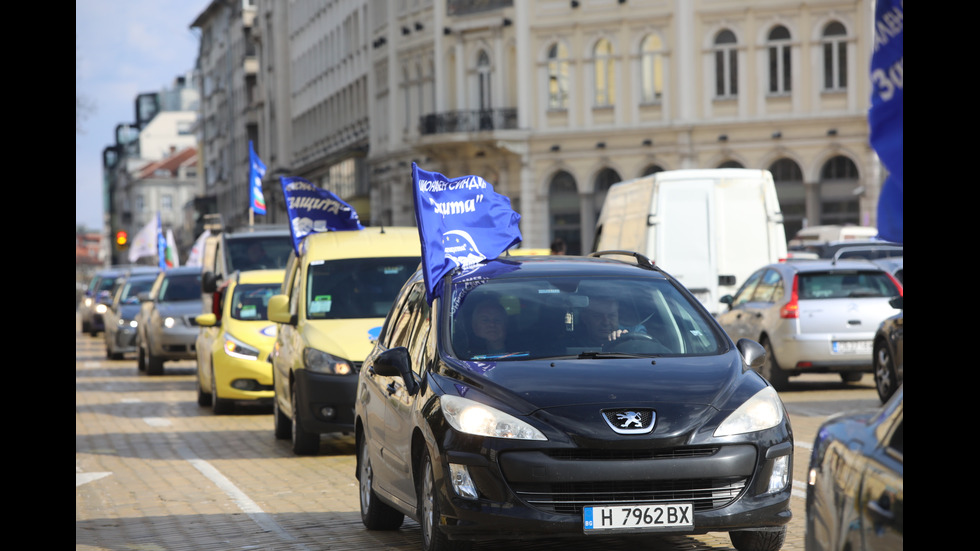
(145, 242)
(171, 257)
(197, 251)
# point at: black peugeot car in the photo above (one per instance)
(559, 396)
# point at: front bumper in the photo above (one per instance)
(325, 403)
(254, 375)
(176, 343)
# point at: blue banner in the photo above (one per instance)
(256, 172)
(313, 209)
(461, 221)
(885, 117)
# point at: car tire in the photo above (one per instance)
(374, 514)
(282, 424)
(112, 355)
(86, 327)
(154, 365)
(764, 540)
(851, 376)
(771, 370)
(140, 358)
(884, 371)
(304, 443)
(432, 538)
(203, 398)
(219, 406)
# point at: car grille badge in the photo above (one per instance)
(630, 420)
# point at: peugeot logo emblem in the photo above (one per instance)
(630, 420)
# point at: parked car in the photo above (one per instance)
(812, 316)
(233, 349)
(335, 296)
(894, 265)
(855, 495)
(97, 297)
(121, 313)
(663, 430)
(166, 328)
(889, 353)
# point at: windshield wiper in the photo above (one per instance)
(599, 355)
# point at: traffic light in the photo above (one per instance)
(122, 240)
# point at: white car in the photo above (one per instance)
(812, 316)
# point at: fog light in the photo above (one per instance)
(244, 384)
(327, 412)
(462, 483)
(780, 474)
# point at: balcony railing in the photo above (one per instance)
(469, 121)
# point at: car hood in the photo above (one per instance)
(258, 333)
(351, 339)
(686, 393)
(128, 311)
(180, 308)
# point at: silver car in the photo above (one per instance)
(166, 328)
(120, 316)
(812, 316)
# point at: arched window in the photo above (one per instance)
(651, 69)
(605, 91)
(780, 63)
(651, 169)
(726, 65)
(603, 180)
(791, 194)
(563, 210)
(838, 186)
(731, 164)
(834, 56)
(557, 76)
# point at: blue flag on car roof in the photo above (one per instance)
(313, 209)
(256, 171)
(461, 221)
(886, 117)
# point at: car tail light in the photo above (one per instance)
(791, 309)
(897, 284)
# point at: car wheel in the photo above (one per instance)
(374, 514)
(283, 428)
(304, 443)
(86, 327)
(884, 371)
(154, 365)
(771, 370)
(203, 398)
(851, 377)
(432, 538)
(220, 406)
(140, 358)
(765, 540)
(112, 355)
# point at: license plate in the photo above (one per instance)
(638, 517)
(852, 347)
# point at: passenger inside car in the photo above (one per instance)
(488, 325)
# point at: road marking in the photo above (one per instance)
(799, 489)
(85, 478)
(157, 421)
(244, 503)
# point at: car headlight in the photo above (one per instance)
(762, 411)
(475, 418)
(88, 302)
(320, 362)
(239, 349)
(171, 321)
(101, 308)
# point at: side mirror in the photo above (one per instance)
(279, 309)
(896, 302)
(209, 282)
(727, 299)
(396, 362)
(206, 320)
(753, 354)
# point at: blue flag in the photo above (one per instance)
(461, 221)
(256, 172)
(886, 114)
(313, 209)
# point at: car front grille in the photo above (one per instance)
(705, 494)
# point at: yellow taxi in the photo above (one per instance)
(235, 340)
(335, 296)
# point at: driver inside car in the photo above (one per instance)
(601, 321)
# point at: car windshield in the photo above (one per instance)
(106, 282)
(180, 287)
(250, 301)
(522, 318)
(849, 284)
(354, 288)
(259, 252)
(133, 287)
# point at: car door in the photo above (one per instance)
(883, 491)
(288, 350)
(732, 320)
(761, 311)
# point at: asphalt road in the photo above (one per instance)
(156, 472)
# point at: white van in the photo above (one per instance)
(709, 228)
(819, 235)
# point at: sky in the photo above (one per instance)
(122, 49)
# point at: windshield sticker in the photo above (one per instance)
(321, 304)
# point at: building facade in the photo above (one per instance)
(552, 101)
